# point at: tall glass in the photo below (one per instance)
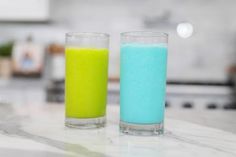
(143, 82)
(86, 79)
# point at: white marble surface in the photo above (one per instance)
(38, 130)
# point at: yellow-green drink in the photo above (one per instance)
(86, 86)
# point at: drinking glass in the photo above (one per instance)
(86, 77)
(143, 63)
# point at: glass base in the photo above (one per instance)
(85, 123)
(141, 129)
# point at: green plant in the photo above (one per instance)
(6, 49)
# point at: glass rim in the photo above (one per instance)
(87, 34)
(144, 34)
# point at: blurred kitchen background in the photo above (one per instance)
(202, 47)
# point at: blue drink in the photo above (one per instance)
(142, 87)
(143, 82)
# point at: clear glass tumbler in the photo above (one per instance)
(143, 63)
(86, 78)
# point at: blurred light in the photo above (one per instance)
(185, 30)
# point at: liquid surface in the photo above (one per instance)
(143, 83)
(86, 82)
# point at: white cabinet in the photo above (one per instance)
(24, 10)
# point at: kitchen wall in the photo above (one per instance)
(205, 56)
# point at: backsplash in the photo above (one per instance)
(204, 56)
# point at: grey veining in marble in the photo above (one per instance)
(38, 130)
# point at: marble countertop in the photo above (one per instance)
(38, 130)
